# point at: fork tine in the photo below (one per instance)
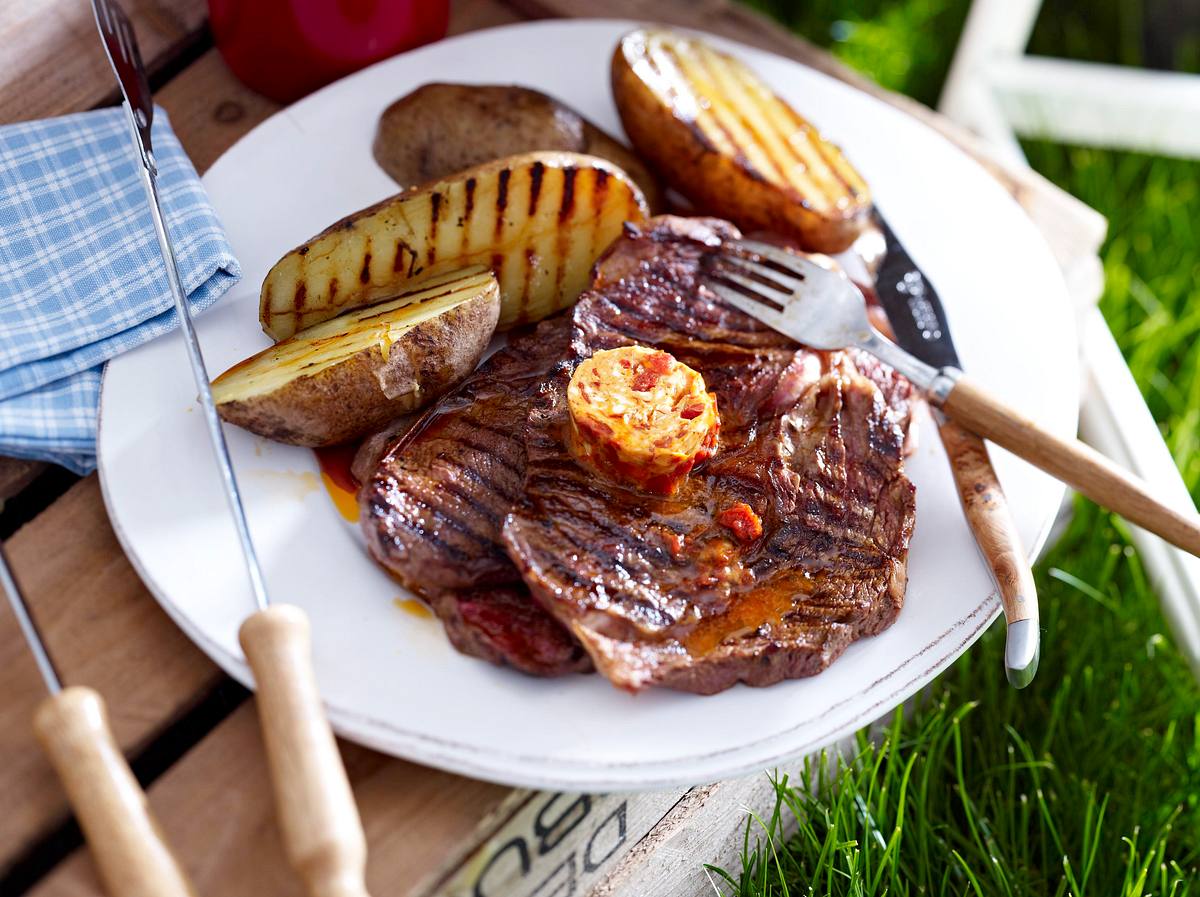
(776, 296)
(796, 264)
(120, 44)
(785, 283)
(754, 308)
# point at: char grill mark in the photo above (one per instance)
(490, 455)
(435, 207)
(502, 198)
(480, 488)
(578, 525)
(567, 205)
(536, 174)
(469, 189)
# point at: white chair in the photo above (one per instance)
(998, 91)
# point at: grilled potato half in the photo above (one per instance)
(721, 137)
(538, 220)
(354, 373)
(435, 131)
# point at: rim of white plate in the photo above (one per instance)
(537, 771)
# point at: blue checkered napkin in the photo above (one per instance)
(81, 278)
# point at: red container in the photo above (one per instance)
(288, 48)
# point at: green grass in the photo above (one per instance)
(1088, 782)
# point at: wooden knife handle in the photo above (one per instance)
(1072, 462)
(322, 833)
(129, 849)
(991, 521)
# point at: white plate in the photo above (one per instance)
(390, 679)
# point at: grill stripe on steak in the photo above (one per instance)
(433, 509)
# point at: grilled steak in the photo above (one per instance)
(658, 590)
(433, 509)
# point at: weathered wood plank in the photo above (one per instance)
(102, 626)
(210, 109)
(53, 62)
(16, 474)
(473, 15)
(102, 629)
(216, 809)
(559, 844)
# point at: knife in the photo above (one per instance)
(920, 326)
(322, 833)
(131, 855)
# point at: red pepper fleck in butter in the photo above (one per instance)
(742, 521)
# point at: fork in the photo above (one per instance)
(823, 310)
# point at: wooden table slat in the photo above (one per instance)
(216, 807)
(16, 474)
(147, 688)
(103, 629)
(53, 62)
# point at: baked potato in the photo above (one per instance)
(440, 129)
(721, 137)
(354, 373)
(538, 220)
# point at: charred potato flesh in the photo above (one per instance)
(538, 221)
(720, 136)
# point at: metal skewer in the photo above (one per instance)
(322, 833)
(29, 629)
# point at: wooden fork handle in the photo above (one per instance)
(990, 519)
(130, 852)
(1072, 462)
(322, 833)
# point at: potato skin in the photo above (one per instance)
(435, 131)
(719, 184)
(367, 391)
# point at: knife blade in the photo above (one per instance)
(920, 325)
(322, 832)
